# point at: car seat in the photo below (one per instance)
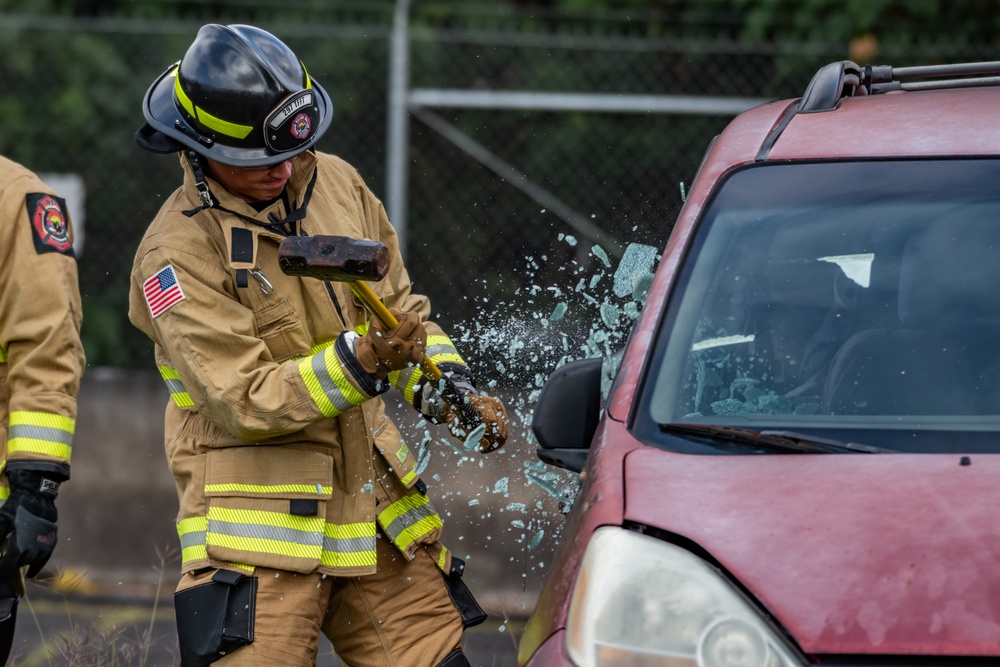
(949, 316)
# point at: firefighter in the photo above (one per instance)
(41, 362)
(300, 507)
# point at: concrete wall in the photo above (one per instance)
(117, 512)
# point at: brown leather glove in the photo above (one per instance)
(491, 412)
(382, 350)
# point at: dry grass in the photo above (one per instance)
(117, 639)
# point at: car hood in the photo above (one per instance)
(853, 553)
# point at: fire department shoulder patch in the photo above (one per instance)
(49, 223)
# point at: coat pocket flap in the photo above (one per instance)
(269, 472)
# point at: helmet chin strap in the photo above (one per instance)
(208, 201)
(204, 194)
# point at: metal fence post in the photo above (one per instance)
(398, 122)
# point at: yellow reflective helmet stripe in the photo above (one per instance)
(327, 384)
(265, 489)
(208, 120)
(309, 83)
(409, 518)
(176, 388)
(41, 433)
(349, 545)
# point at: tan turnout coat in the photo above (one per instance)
(270, 471)
(41, 356)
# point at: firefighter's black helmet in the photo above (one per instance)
(239, 96)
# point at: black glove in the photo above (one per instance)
(427, 399)
(28, 520)
(429, 402)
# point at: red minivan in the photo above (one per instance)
(798, 459)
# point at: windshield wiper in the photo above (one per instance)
(782, 441)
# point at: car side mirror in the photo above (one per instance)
(567, 413)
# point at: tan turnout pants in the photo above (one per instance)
(401, 616)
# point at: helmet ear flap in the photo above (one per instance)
(155, 141)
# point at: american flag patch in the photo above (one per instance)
(162, 291)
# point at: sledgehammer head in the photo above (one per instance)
(338, 258)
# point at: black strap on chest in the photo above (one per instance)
(208, 201)
(285, 226)
(242, 253)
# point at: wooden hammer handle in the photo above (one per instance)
(378, 309)
(466, 411)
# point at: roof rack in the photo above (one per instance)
(838, 80)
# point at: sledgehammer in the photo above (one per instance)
(353, 261)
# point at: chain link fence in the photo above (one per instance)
(479, 242)
(520, 221)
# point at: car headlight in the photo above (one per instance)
(640, 601)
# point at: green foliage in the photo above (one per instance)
(843, 20)
(73, 74)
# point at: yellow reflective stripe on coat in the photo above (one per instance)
(243, 566)
(323, 346)
(265, 532)
(327, 384)
(405, 380)
(263, 489)
(440, 350)
(176, 388)
(41, 433)
(408, 477)
(443, 558)
(409, 518)
(191, 532)
(207, 119)
(315, 350)
(349, 545)
(3, 356)
(401, 454)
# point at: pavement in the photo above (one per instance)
(72, 629)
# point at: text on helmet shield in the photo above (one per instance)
(291, 123)
(288, 107)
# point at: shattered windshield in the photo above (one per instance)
(858, 299)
